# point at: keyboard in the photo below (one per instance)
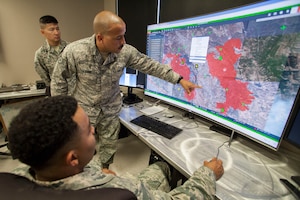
(159, 127)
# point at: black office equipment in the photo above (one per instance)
(159, 127)
(40, 84)
(292, 135)
(291, 188)
(296, 179)
(131, 98)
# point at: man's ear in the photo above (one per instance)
(99, 36)
(72, 158)
(42, 31)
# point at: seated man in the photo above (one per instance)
(54, 137)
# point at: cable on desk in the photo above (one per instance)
(156, 103)
(139, 105)
(272, 189)
(189, 125)
(220, 147)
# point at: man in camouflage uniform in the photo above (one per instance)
(55, 139)
(46, 56)
(94, 66)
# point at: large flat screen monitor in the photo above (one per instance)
(246, 60)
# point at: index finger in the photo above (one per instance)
(214, 159)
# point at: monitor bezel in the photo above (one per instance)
(166, 25)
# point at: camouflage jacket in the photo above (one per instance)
(45, 59)
(200, 186)
(94, 82)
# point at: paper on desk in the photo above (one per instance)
(152, 110)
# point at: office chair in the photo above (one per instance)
(3, 129)
(14, 187)
(4, 153)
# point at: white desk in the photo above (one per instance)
(22, 94)
(251, 171)
(13, 101)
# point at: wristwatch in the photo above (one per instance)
(180, 78)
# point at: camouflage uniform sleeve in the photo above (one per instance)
(201, 185)
(61, 76)
(147, 65)
(41, 68)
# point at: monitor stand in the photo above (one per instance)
(221, 129)
(131, 98)
(225, 131)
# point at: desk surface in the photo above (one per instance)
(22, 94)
(251, 171)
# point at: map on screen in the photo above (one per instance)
(246, 67)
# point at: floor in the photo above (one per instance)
(132, 156)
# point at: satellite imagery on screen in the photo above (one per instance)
(245, 68)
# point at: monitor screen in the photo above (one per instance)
(245, 59)
(132, 79)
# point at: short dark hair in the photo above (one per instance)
(41, 129)
(48, 19)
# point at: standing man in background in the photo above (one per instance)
(47, 55)
(91, 69)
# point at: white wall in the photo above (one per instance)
(20, 36)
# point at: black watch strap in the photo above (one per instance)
(180, 78)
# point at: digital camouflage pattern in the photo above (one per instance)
(110, 128)
(152, 183)
(82, 72)
(45, 59)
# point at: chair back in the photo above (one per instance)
(14, 187)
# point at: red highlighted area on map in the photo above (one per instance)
(179, 65)
(221, 66)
